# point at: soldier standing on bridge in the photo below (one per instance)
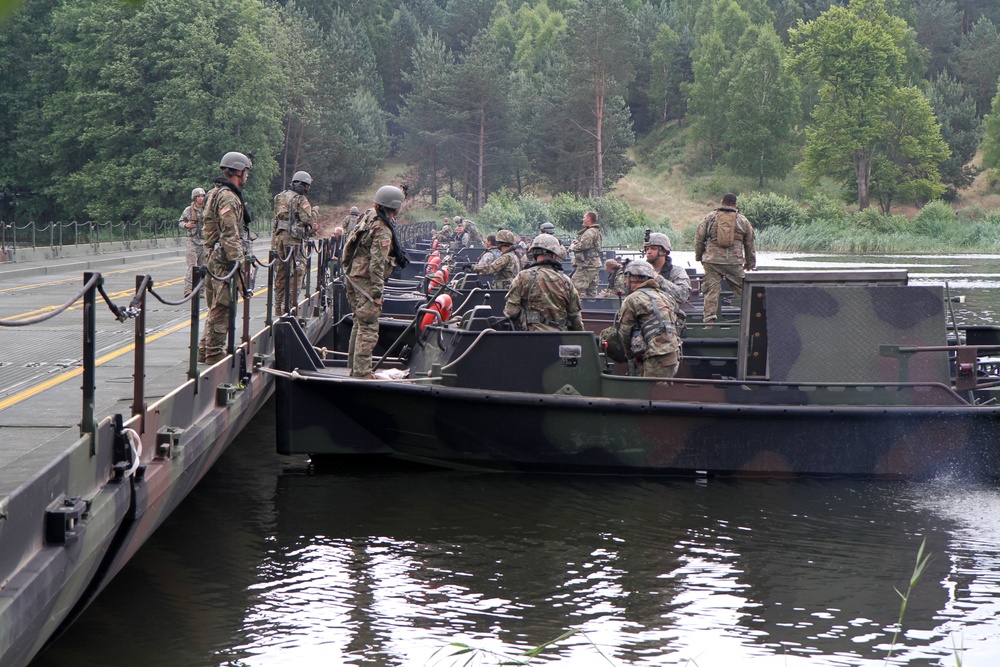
(192, 220)
(294, 224)
(225, 212)
(587, 255)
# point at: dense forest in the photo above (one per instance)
(115, 110)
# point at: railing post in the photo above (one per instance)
(246, 303)
(268, 317)
(139, 371)
(88, 424)
(196, 276)
(52, 232)
(34, 244)
(234, 291)
(308, 274)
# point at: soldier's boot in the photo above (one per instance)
(201, 355)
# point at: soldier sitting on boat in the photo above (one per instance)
(645, 323)
(542, 297)
(617, 284)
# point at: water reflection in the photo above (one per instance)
(270, 562)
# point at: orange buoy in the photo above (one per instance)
(442, 306)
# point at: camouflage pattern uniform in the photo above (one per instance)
(720, 262)
(587, 259)
(223, 243)
(617, 284)
(675, 282)
(662, 355)
(348, 224)
(543, 298)
(475, 239)
(293, 219)
(370, 264)
(443, 236)
(505, 267)
(195, 253)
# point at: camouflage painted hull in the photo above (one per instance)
(845, 375)
(493, 430)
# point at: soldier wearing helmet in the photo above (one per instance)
(226, 218)
(587, 255)
(350, 220)
(724, 244)
(646, 323)
(504, 265)
(370, 253)
(542, 297)
(673, 280)
(294, 224)
(192, 221)
(444, 234)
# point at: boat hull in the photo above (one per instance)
(536, 432)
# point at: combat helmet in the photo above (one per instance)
(457, 220)
(389, 196)
(505, 237)
(302, 177)
(660, 239)
(235, 161)
(640, 267)
(355, 212)
(545, 243)
(547, 228)
(197, 192)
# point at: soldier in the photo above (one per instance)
(350, 220)
(192, 221)
(521, 250)
(444, 234)
(673, 280)
(724, 244)
(645, 322)
(542, 297)
(617, 284)
(370, 254)
(294, 224)
(225, 215)
(337, 251)
(505, 266)
(587, 255)
(460, 238)
(475, 237)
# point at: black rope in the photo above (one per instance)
(187, 299)
(48, 316)
(228, 276)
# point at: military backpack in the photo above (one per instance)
(725, 228)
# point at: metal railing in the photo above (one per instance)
(58, 234)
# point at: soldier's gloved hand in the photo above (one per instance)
(467, 268)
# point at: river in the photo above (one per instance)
(272, 562)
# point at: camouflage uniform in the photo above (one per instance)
(223, 242)
(443, 236)
(195, 254)
(587, 259)
(720, 262)
(369, 264)
(293, 219)
(617, 284)
(474, 238)
(662, 355)
(348, 224)
(675, 282)
(543, 298)
(505, 268)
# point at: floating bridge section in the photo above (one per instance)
(107, 421)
